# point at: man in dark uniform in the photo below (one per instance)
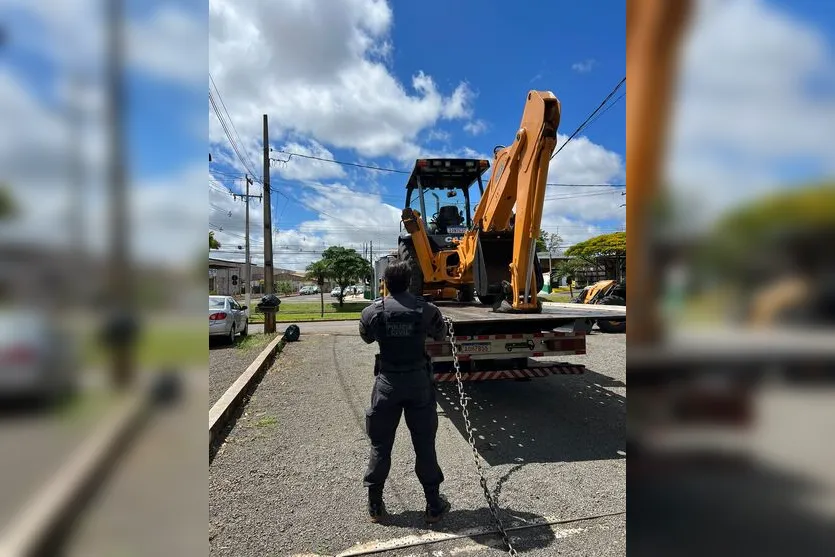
(400, 324)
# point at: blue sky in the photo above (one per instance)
(363, 82)
(503, 53)
(493, 62)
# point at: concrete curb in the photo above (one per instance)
(288, 323)
(223, 410)
(57, 502)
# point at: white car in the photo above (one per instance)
(336, 292)
(38, 358)
(227, 318)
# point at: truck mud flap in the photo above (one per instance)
(493, 375)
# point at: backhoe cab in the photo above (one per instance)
(430, 244)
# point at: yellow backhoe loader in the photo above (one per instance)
(608, 293)
(491, 254)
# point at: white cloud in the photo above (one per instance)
(583, 162)
(315, 68)
(745, 108)
(475, 127)
(438, 135)
(584, 67)
(300, 168)
(170, 45)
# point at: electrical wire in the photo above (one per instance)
(587, 120)
(231, 122)
(322, 159)
(227, 132)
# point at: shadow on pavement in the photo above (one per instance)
(461, 521)
(555, 419)
(748, 507)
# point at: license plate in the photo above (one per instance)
(456, 230)
(480, 347)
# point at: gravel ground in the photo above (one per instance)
(289, 478)
(227, 363)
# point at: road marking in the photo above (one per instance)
(382, 546)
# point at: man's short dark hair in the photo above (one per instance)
(397, 277)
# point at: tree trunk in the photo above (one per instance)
(322, 300)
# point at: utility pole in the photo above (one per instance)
(248, 268)
(75, 230)
(269, 319)
(121, 328)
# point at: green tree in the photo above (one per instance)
(570, 269)
(345, 266)
(319, 271)
(606, 252)
(548, 241)
(213, 244)
(284, 287)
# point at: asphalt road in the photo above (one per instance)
(153, 501)
(288, 480)
(38, 440)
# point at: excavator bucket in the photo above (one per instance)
(494, 253)
(491, 267)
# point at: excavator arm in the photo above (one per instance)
(519, 179)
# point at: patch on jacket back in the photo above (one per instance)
(400, 329)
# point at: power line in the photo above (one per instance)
(396, 171)
(226, 131)
(587, 120)
(605, 110)
(231, 122)
(343, 163)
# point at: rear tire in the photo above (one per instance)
(487, 300)
(610, 326)
(405, 252)
(231, 338)
(466, 293)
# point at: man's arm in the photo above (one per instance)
(367, 325)
(435, 328)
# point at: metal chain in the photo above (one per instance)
(491, 503)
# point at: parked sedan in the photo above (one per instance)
(38, 358)
(336, 292)
(227, 318)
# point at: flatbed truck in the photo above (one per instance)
(492, 345)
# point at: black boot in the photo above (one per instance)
(436, 505)
(376, 507)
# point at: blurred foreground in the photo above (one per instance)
(102, 357)
(733, 215)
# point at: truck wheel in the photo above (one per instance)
(487, 300)
(610, 326)
(466, 293)
(405, 252)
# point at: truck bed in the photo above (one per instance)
(469, 313)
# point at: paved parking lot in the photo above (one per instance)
(288, 480)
